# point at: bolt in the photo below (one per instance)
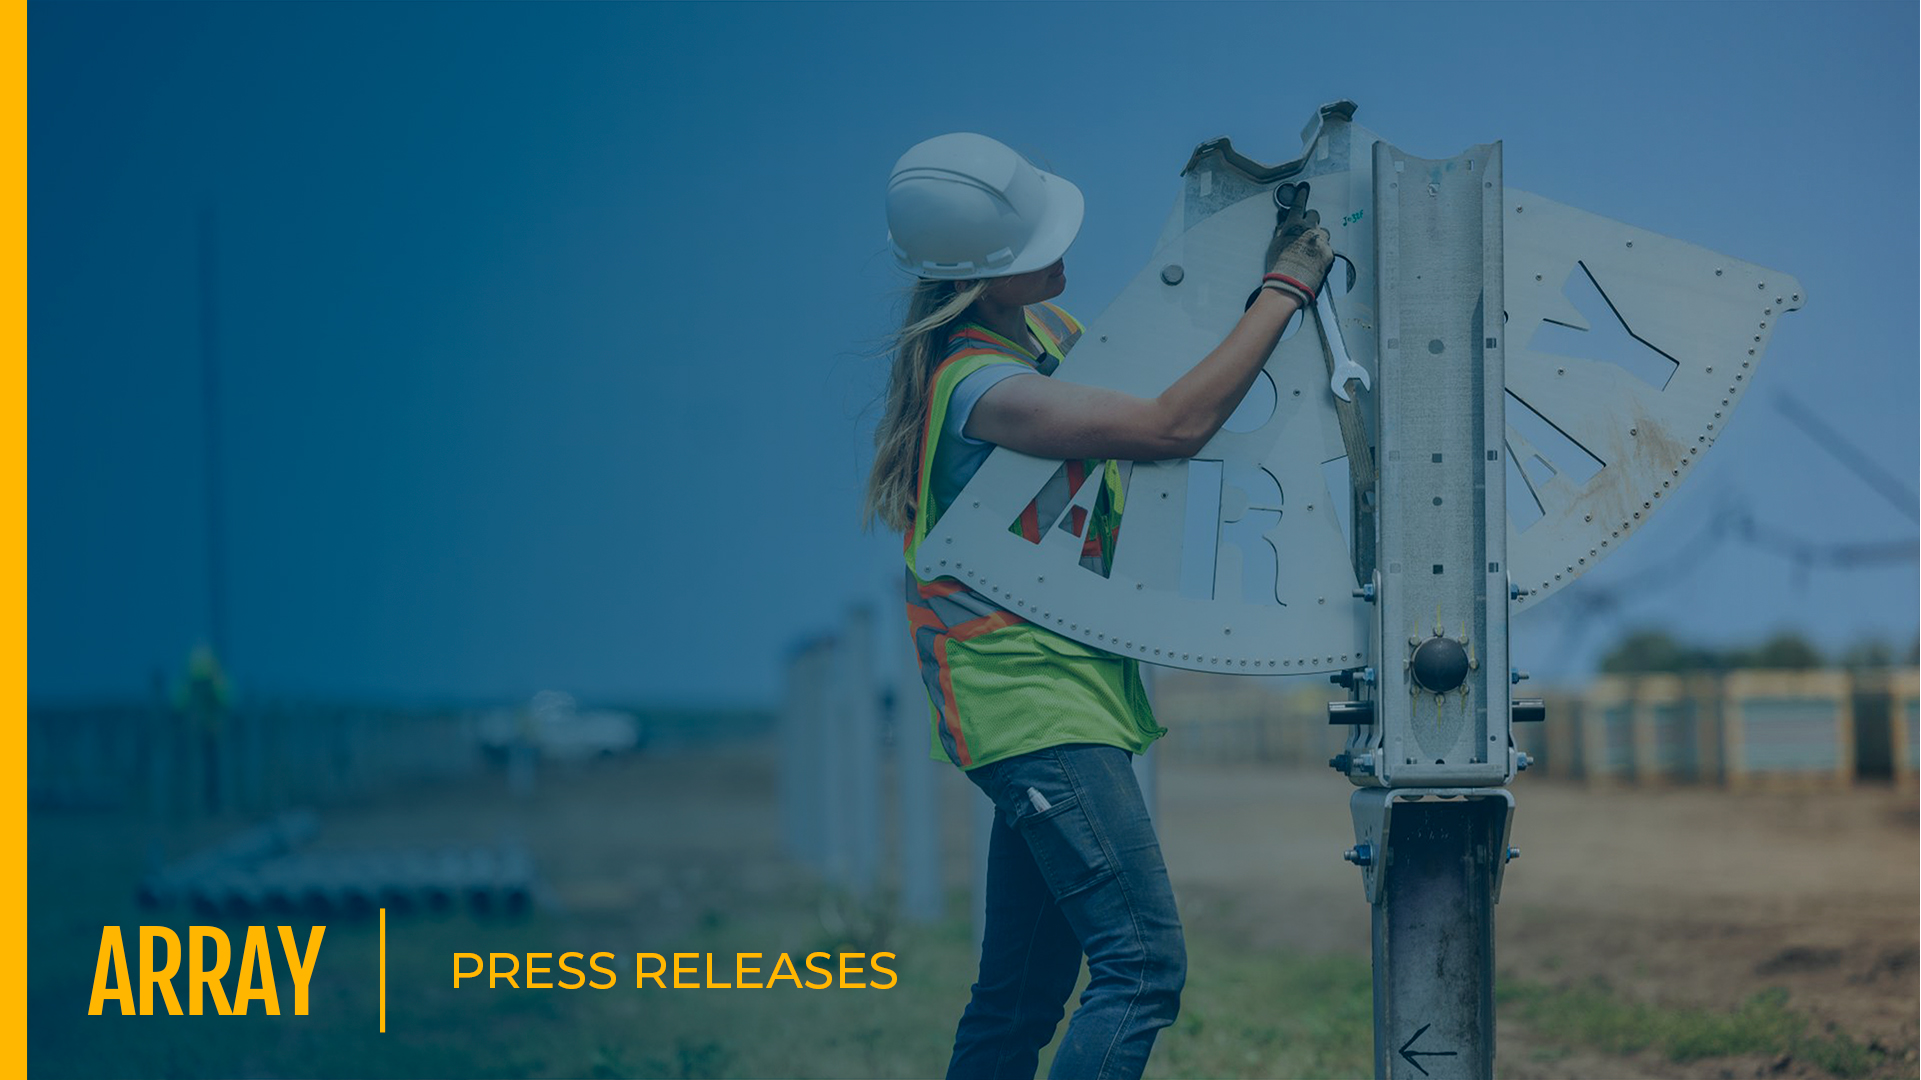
(1521, 762)
(1365, 592)
(1515, 592)
(1363, 855)
(1513, 853)
(1367, 675)
(1515, 676)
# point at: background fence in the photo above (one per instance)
(866, 808)
(251, 760)
(861, 800)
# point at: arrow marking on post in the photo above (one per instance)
(1410, 1055)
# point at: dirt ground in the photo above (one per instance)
(1689, 896)
(1686, 895)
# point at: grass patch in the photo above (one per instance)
(1595, 1016)
(1257, 1014)
(1246, 1013)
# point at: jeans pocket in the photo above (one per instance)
(1065, 848)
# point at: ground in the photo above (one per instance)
(1688, 895)
(1685, 899)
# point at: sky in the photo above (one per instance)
(548, 335)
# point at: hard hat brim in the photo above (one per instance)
(1060, 224)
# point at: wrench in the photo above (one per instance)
(1340, 367)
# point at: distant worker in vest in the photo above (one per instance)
(1047, 727)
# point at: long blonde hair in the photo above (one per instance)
(894, 484)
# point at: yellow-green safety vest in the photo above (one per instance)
(998, 685)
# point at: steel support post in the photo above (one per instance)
(1439, 872)
(1431, 822)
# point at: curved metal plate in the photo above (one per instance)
(1255, 575)
(1702, 317)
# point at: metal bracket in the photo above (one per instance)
(1222, 149)
(1373, 811)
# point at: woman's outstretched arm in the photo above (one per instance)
(1047, 418)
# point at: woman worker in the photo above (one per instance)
(1045, 726)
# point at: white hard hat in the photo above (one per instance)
(964, 206)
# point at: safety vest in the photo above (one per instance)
(998, 685)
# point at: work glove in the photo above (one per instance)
(1299, 268)
(1300, 252)
(1292, 222)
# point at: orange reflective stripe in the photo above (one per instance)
(920, 618)
(1031, 523)
(1076, 476)
(950, 715)
(966, 631)
(986, 624)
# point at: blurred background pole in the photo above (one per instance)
(214, 727)
(796, 786)
(918, 834)
(210, 426)
(831, 729)
(859, 692)
(816, 711)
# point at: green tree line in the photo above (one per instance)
(1650, 649)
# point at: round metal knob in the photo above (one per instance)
(1440, 665)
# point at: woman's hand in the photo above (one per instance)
(1294, 221)
(1301, 251)
(1300, 268)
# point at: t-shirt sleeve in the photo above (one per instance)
(960, 403)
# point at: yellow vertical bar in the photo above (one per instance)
(13, 482)
(383, 971)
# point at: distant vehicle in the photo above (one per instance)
(555, 730)
(581, 736)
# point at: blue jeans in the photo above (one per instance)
(1073, 868)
